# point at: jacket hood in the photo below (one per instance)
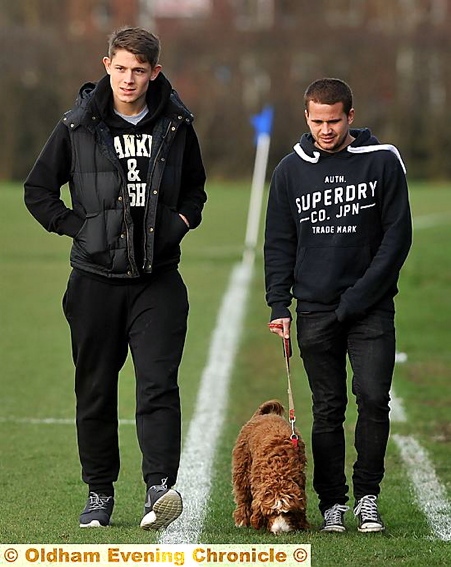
(96, 99)
(363, 137)
(364, 142)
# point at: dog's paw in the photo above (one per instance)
(241, 525)
(241, 519)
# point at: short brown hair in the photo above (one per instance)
(143, 44)
(329, 91)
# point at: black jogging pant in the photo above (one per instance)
(106, 320)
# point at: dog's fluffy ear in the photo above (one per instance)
(272, 406)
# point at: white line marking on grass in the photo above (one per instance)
(51, 421)
(196, 463)
(397, 412)
(37, 421)
(429, 492)
(428, 221)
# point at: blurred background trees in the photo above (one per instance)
(230, 58)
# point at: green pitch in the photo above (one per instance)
(41, 493)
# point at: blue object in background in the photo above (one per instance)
(262, 122)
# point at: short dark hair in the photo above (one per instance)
(143, 44)
(329, 91)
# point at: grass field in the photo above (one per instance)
(40, 488)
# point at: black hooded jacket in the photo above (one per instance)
(84, 150)
(338, 228)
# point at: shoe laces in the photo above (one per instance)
(98, 501)
(334, 515)
(160, 487)
(367, 507)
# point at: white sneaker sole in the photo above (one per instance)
(165, 510)
(334, 529)
(94, 524)
(371, 528)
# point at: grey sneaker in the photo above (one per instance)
(97, 512)
(163, 505)
(333, 519)
(367, 515)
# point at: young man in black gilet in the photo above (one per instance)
(131, 158)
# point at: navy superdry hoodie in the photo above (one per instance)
(338, 228)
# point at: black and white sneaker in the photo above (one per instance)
(367, 515)
(163, 505)
(97, 512)
(333, 519)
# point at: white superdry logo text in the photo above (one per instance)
(335, 203)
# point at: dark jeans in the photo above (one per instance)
(370, 345)
(105, 321)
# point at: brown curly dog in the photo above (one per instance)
(268, 473)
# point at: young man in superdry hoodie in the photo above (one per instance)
(338, 230)
(131, 158)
